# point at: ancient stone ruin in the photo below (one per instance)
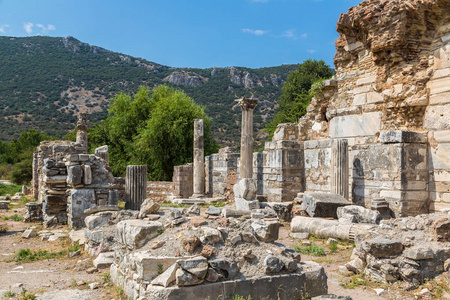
(368, 163)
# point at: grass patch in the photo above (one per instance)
(170, 204)
(9, 294)
(27, 255)
(14, 217)
(10, 189)
(24, 295)
(121, 203)
(356, 281)
(312, 249)
(437, 286)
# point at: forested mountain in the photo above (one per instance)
(44, 81)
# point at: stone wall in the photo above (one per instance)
(221, 173)
(391, 78)
(159, 190)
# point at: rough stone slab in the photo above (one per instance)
(104, 260)
(380, 247)
(98, 220)
(311, 281)
(419, 252)
(229, 212)
(147, 264)
(167, 277)
(136, 233)
(355, 125)
(100, 208)
(323, 205)
(400, 136)
(242, 204)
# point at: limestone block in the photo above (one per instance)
(97, 220)
(245, 188)
(366, 80)
(358, 214)
(380, 247)
(266, 231)
(148, 207)
(419, 252)
(113, 197)
(282, 209)
(437, 117)
(136, 233)
(441, 98)
(104, 260)
(442, 136)
(440, 85)
(440, 157)
(360, 99)
(245, 205)
(197, 266)
(87, 174)
(167, 277)
(184, 278)
(322, 205)
(81, 199)
(355, 125)
(74, 174)
(400, 136)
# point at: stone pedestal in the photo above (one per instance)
(135, 186)
(339, 167)
(199, 160)
(82, 124)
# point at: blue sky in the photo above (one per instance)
(188, 33)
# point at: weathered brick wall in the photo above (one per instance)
(221, 173)
(159, 190)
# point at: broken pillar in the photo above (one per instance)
(135, 186)
(245, 188)
(35, 181)
(103, 152)
(199, 160)
(82, 123)
(339, 167)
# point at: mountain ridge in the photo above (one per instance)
(44, 81)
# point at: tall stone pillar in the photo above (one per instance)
(135, 186)
(246, 160)
(82, 124)
(35, 168)
(339, 167)
(199, 160)
(245, 188)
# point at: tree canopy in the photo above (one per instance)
(153, 128)
(296, 94)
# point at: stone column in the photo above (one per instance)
(35, 180)
(135, 186)
(339, 167)
(246, 160)
(245, 188)
(199, 160)
(82, 124)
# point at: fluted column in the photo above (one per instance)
(246, 159)
(339, 167)
(199, 160)
(135, 186)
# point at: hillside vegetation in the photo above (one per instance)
(44, 81)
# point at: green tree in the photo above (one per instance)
(155, 129)
(296, 95)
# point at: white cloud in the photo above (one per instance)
(311, 51)
(44, 28)
(28, 27)
(3, 28)
(257, 32)
(290, 34)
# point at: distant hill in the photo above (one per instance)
(44, 81)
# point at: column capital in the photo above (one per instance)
(247, 103)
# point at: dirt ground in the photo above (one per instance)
(67, 278)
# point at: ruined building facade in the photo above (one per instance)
(390, 100)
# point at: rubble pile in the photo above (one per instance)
(411, 249)
(183, 247)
